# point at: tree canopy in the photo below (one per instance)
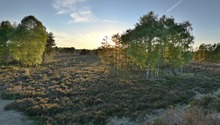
(157, 43)
(208, 53)
(5, 29)
(50, 44)
(24, 42)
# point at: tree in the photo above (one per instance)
(159, 42)
(105, 51)
(208, 53)
(50, 44)
(5, 30)
(216, 52)
(116, 38)
(84, 52)
(28, 41)
(49, 47)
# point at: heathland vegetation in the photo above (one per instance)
(151, 76)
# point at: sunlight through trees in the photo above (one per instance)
(161, 44)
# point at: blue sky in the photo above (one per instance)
(84, 23)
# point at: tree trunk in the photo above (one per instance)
(147, 73)
(158, 69)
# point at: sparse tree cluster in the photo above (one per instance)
(208, 53)
(105, 52)
(160, 45)
(24, 42)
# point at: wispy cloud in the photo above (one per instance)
(76, 9)
(82, 16)
(175, 5)
(109, 21)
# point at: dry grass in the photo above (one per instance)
(192, 115)
(81, 90)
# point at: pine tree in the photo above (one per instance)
(49, 47)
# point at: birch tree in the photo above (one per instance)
(158, 43)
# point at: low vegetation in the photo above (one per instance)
(81, 90)
(208, 53)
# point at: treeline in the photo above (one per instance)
(208, 53)
(72, 50)
(66, 50)
(156, 44)
(27, 43)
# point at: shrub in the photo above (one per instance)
(84, 52)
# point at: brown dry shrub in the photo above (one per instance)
(193, 115)
(199, 116)
(171, 117)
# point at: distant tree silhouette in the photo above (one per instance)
(84, 52)
(50, 44)
(50, 50)
(208, 53)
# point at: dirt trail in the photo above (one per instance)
(12, 117)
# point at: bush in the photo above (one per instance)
(84, 52)
(66, 50)
(192, 115)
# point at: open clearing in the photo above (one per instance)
(78, 89)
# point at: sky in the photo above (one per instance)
(84, 23)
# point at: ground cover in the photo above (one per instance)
(79, 89)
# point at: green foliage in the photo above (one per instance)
(50, 49)
(208, 53)
(159, 42)
(5, 30)
(138, 54)
(50, 44)
(28, 41)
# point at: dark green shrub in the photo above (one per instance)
(84, 52)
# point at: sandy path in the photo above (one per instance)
(12, 117)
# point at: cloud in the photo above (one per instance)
(175, 5)
(76, 9)
(82, 16)
(109, 21)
